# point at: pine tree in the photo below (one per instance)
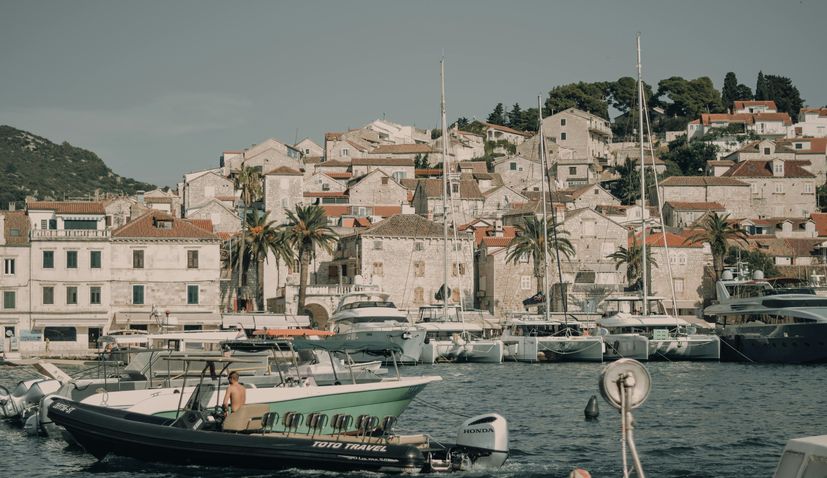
(498, 115)
(515, 117)
(761, 89)
(729, 93)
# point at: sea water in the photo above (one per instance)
(700, 420)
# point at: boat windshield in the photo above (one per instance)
(365, 304)
(439, 314)
(747, 290)
(543, 330)
(201, 397)
(372, 319)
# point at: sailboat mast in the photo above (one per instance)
(444, 191)
(643, 259)
(542, 152)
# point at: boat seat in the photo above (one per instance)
(341, 422)
(247, 418)
(366, 425)
(268, 421)
(387, 425)
(316, 423)
(292, 421)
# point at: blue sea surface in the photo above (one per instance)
(700, 420)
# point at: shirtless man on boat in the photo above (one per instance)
(235, 395)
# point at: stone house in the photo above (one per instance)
(351, 144)
(812, 122)
(308, 147)
(164, 200)
(396, 133)
(377, 188)
(464, 146)
(790, 251)
(718, 167)
(499, 200)
(322, 182)
(594, 237)
(688, 262)
(778, 188)
(203, 188)
(121, 210)
(590, 196)
(403, 256)
(501, 285)
(267, 155)
(629, 215)
(282, 190)
(397, 168)
(587, 135)
(167, 265)
(518, 172)
(572, 173)
(796, 228)
(467, 200)
(14, 279)
(405, 151)
(730, 192)
(813, 150)
(683, 214)
(495, 132)
(223, 218)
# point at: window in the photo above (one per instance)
(457, 269)
(399, 176)
(345, 152)
(588, 229)
(419, 269)
(378, 269)
(678, 283)
(44, 224)
(682, 259)
(137, 259)
(377, 245)
(754, 188)
(808, 188)
(71, 295)
(192, 259)
(562, 121)
(48, 259)
(71, 259)
(524, 258)
(766, 150)
(799, 146)
(779, 188)
(138, 294)
(95, 295)
(512, 166)
(455, 188)
(572, 170)
(332, 272)
(385, 180)
(48, 295)
(95, 259)
(563, 136)
(192, 294)
(8, 267)
(525, 282)
(60, 334)
(9, 299)
(419, 295)
(778, 168)
(325, 187)
(419, 246)
(80, 224)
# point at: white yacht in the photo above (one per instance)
(759, 323)
(450, 338)
(667, 337)
(533, 338)
(370, 315)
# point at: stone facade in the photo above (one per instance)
(282, 190)
(222, 217)
(204, 188)
(377, 188)
(518, 172)
(586, 134)
(688, 263)
(14, 279)
(732, 193)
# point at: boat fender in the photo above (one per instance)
(592, 411)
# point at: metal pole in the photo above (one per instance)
(643, 259)
(444, 190)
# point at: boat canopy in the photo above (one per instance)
(340, 344)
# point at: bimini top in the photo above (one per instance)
(366, 298)
(341, 344)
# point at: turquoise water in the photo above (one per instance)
(701, 420)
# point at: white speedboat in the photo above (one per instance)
(532, 338)
(368, 315)
(450, 338)
(666, 337)
(803, 458)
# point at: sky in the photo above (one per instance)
(161, 88)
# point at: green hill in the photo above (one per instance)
(34, 166)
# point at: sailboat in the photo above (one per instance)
(639, 326)
(448, 336)
(534, 337)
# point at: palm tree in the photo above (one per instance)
(248, 180)
(631, 256)
(718, 232)
(530, 242)
(307, 229)
(260, 240)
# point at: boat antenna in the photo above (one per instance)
(444, 190)
(643, 259)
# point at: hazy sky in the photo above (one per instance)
(161, 88)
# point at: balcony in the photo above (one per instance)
(70, 234)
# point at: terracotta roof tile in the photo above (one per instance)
(468, 189)
(205, 224)
(820, 218)
(335, 210)
(333, 163)
(284, 171)
(339, 175)
(758, 168)
(783, 117)
(402, 149)
(506, 129)
(822, 112)
(333, 136)
(68, 207)
(428, 172)
(816, 145)
(701, 181)
(743, 104)
(15, 228)
(159, 225)
(695, 206)
(406, 225)
(386, 211)
(382, 162)
(496, 241)
(325, 194)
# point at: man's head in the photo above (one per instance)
(233, 377)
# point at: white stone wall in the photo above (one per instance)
(505, 285)
(525, 172)
(782, 197)
(14, 319)
(222, 219)
(687, 264)
(204, 188)
(282, 192)
(378, 189)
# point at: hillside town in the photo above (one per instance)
(73, 270)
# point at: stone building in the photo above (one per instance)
(730, 192)
(14, 279)
(377, 188)
(594, 237)
(203, 188)
(684, 214)
(223, 218)
(778, 188)
(518, 172)
(397, 168)
(282, 190)
(586, 134)
(403, 256)
(688, 262)
(467, 200)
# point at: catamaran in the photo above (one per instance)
(451, 338)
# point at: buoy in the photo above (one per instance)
(579, 473)
(591, 411)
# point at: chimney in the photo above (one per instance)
(139, 196)
(498, 226)
(2, 229)
(12, 206)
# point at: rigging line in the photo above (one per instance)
(439, 408)
(660, 213)
(736, 350)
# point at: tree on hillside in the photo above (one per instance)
(761, 91)
(681, 97)
(623, 94)
(515, 117)
(690, 157)
(627, 187)
(786, 96)
(462, 123)
(729, 93)
(743, 92)
(589, 97)
(498, 115)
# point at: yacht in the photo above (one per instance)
(450, 338)
(665, 337)
(370, 315)
(759, 323)
(533, 338)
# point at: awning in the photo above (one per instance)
(341, 344)
(40, 322)
(264, 320)
(174, 318)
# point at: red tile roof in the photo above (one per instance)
(284, 171)
(147, 227)
(386, 211)
(695, 206)
(428, 172)
(335, 210)
(701, 181)
(820, 111)
(325, 194)
(743, 104)
(759, 168)
(487, 232)
(402, 149)
(496, 241)
(783, 117)
(817, 145)
(333, 163)
(505, 129)
(382, 162)
(333, 136)
(340, 175)
(205, 224)
(68, 207)
(820, 218)
(655, 239)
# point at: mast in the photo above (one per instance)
(545, 212)
(444, 191)
(643, 259)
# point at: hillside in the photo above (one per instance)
(34, 166)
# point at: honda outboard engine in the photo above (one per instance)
(482, 441)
